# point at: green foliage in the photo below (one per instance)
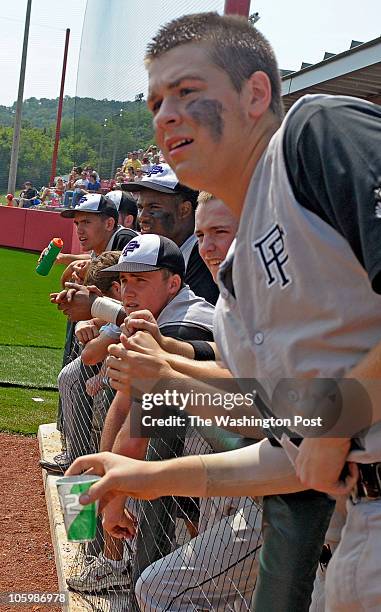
(82, 137)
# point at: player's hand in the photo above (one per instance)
(121, 476)
(79, 270)
(141, 320)
(126, 368)
(58, 298)
(42, 254)
(86, 331)
(84, 290)
(117, 520)
(93, 385)
(320, 462)
(142, 342)
(76, 302)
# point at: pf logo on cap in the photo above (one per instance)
(155, 170)
(131, 247)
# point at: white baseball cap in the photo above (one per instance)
(93, 203)
(147, 253)
(160, 178)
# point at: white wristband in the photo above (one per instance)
(105, 309)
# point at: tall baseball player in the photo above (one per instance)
(299, 289)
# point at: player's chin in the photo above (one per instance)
(189, 174)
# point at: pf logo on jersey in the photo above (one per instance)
(273, 256)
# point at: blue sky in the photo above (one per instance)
(299, 30)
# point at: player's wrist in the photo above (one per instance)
(104, 308)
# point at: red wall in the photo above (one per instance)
(32, 230)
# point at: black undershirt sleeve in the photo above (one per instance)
(332, 149)
(186, 332)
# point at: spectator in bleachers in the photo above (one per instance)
(80, 188)
(130, 175)
(119, 179)
(151, 151)
(132, 161)
(146, 166)
(89, 171)
(138, 175)
(94, 184)
(28, 196)
(57, 191)
(74, 176)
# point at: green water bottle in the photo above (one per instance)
(50, 256)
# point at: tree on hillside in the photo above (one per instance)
(83, 136)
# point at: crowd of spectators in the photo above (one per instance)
(67, 192)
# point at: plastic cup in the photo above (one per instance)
(80, 521)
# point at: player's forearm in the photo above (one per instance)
(368, 374)
(115, 418)
(95, 351)
(185, 477)
(108, 310)
(128, 446)
(177, 347)
(355, 400)
(256, 470)
(68, 258)
(253, 471)
(197, 369)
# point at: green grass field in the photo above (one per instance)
(32, 334)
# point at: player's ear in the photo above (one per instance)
(185, 209)
(257, 94)
(174, 284)
(110, 223)
(115, 286)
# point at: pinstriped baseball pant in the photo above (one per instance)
(214, 571)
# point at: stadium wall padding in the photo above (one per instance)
(32, 230)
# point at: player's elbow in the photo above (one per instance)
(90, 357)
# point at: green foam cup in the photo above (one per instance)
(80, 521)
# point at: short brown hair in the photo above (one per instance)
(235, 45)
(102, 281)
